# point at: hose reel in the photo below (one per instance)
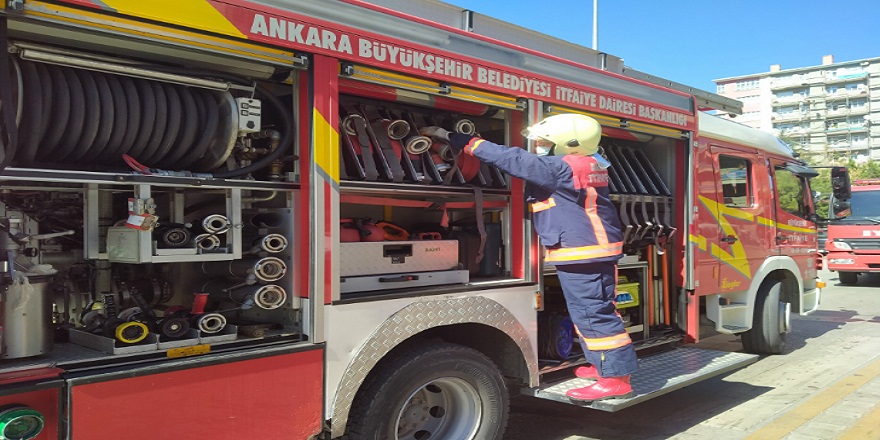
(86, 111)
(84, 117)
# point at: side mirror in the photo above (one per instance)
(841, 209)
(840, 184)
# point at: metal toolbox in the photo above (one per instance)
(389, 257)
(402, 280)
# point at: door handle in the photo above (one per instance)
(781, 238)
(729, 239)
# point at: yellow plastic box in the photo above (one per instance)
(627, 295)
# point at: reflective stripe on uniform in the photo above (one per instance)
(472, 145)
(583, 252)
(593, 215)
(607, 343)
(542, 206)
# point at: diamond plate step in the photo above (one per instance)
(658, 374)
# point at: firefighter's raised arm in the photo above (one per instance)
(559, 135)
(514, 161)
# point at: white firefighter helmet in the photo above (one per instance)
(571, 133)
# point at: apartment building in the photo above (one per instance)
(828, 112)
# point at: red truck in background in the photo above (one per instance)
(853, 242)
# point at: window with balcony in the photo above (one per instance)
(837, 108)
(747, 85)
(835, 124)
(856, 122)
(792, 128)
(838, 141)
(789, 80)
(845, 73)
(791, 95)
(855, 88)
(849, 72)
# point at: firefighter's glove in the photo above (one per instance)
(435, 132)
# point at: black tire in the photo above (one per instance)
(848, 278)
(437, 391)
(767, 335)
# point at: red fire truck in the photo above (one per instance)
(853, 243)
(219, 221)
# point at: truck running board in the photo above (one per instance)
(658, 374)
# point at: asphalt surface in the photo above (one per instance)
(825, 386)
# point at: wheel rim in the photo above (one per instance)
(784, 317)
(446, 407)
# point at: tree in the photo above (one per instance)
(868, 170)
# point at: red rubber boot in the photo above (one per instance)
(587, 372)
(605, 388)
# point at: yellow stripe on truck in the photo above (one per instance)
(196, 14)
(160, 32)
(737, 257)
(326, 148)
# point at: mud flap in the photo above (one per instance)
(658, 374)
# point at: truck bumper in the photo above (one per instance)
(850, 262)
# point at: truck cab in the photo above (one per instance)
(853, 243)
(754, 235)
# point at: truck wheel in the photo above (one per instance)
(436, 391)
(767, 335)
(848, 278)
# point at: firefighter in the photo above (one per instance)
(567, 186)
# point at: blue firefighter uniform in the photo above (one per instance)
(581, 231)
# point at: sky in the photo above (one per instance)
(696, 41)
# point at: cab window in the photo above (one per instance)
(791, 191)
(736, 178)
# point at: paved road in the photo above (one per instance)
(825, 386)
